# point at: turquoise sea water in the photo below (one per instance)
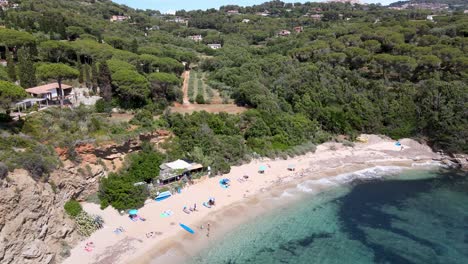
(405, 217)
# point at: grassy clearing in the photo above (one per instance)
(191, 86)
(208, 91)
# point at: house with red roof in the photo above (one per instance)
(50, 91)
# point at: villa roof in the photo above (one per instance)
(43, 89)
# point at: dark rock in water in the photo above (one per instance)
(461, 160)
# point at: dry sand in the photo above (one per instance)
(233, 205)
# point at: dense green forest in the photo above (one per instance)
(341, 69)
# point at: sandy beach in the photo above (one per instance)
(234, 204)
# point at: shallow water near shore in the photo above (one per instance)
(381, 215)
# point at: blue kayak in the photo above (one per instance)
(188, 229)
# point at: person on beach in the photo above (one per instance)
(194, 206)
(208, 230)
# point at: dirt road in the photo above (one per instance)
(186, 76)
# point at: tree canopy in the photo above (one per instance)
(10, 93)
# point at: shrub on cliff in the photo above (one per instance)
(3, 171)
(37, 164)
(143, 118)
(119, 190)
(73, 208)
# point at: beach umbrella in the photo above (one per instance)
(262, 168)
(133, 212)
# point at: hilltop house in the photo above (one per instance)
(316, 10)
(214, 46)
(263, 14)
(172, 171)
(316, 17)
(233, 12)
(245, 20)
(119, 18)
(284, 33)
(196, 38)
(298, 29)
(179, 20)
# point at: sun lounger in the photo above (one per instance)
(206, 205)
(186, 210)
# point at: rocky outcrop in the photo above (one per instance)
(461, 160)
(33, 225)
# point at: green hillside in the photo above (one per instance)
(306, 73)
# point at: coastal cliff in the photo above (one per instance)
(33, 225)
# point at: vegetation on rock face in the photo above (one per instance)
(3, 171)
(73, 208)
(119, 189)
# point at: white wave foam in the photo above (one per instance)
(286, 194)
(431, 163)
(314, 186)
(370, 173)
(303, 187)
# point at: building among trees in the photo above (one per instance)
(50, 91)
(119, 18)
(215, 46)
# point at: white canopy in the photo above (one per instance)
(178, 164)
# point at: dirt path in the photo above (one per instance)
(186, 76)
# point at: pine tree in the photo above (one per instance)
(11, 69)
(26, 70)
(86, 75)
(94, 77)
(134, 46)
(80, 69)
(104, 81)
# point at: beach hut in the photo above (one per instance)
(291, 167)
(262, 169)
